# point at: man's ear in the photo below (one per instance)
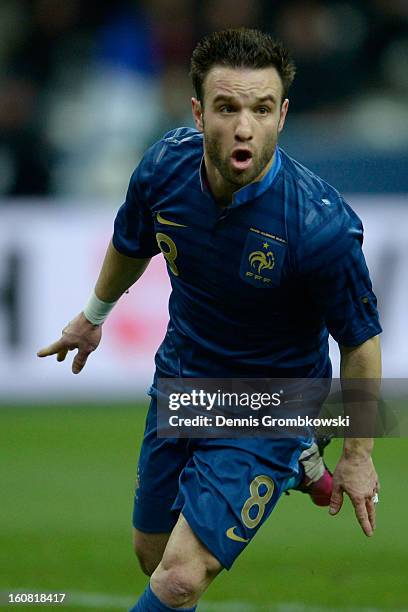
(283, 113)
(197, 114)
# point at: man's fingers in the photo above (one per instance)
(78, 334)
(60, 349)
(362, 515)
(371, 513)
(52, 349)
(62, 354)
(79, 361)
(336, 500)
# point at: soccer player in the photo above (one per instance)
(265, 261)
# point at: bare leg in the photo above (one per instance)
(186, 569)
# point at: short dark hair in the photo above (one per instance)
(240, 48)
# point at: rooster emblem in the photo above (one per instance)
(261, 260)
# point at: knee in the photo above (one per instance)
(175, 587)
(181, 585)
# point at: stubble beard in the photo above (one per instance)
(223, 164)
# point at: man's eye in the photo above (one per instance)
(263, 110)
(226, 109)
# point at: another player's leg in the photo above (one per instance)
(160, 464)
(149, 549)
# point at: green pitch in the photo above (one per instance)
(66, 482)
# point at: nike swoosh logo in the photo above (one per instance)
(230, 533)
(307, 457)
(164, 221)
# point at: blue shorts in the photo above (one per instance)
(225, 488)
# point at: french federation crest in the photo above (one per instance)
(262, 259)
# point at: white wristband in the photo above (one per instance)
(96, 310)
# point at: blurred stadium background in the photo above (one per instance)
(85, 87)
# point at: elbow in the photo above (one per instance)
(372, 344)
(363, 360)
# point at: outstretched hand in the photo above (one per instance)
(78, 334)
(359, 480)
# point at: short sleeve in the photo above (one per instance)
(338, 281)
(134, 233)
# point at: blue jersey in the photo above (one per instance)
(257, 286)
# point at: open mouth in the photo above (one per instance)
(241, 159)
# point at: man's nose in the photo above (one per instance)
(243, 129)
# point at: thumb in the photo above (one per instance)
(336, 501)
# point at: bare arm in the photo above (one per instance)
(117, 274)
(355, 473)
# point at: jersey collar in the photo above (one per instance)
(254, 190)
(251, 191)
